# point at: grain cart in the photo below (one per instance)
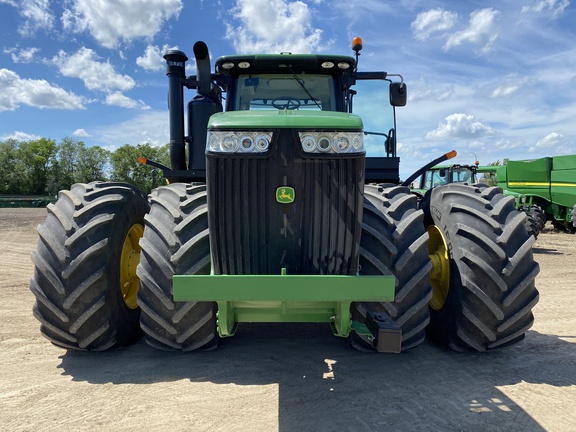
(273, 213)
(544, 187)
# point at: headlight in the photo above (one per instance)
(332, 142)
(238, 142)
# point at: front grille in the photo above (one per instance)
(318, 233)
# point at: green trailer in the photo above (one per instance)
(274, 212)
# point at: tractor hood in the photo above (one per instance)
(285, 119)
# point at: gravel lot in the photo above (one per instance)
(286, 377)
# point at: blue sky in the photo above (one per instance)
(492, 78)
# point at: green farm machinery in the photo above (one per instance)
(440, 175)
(273, 212)
(545, 188)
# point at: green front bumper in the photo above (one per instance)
(283, 298)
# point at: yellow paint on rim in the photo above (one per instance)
(129, 282)
(440, 274)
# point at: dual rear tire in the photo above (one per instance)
(100, 277)
(485, 299)
(393, 243)
(176, 241)
(84, 266)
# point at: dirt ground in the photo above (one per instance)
(286, 377)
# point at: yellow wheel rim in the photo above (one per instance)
(440, 274)
(130, 258)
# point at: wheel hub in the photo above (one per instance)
(129, 282)
(440, 273)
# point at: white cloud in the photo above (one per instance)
(432, 21)
(118, 99)
(112, 21)
(550, 141)
(152, 60)
(481, 30)
(460, 126)
(25, 55)
(21, 55)
(273, 26)
(36, 14)
(20, 136)
(95, 74)
(553, 7)
(510, 86)
(18, 91)
(80, 133)
(149, 127)
(425, 91)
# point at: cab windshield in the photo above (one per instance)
(462, 175)
(292, 92)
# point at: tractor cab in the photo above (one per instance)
(286, 81)
(441, 175)
(346, 111)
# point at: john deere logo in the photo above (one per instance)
(285, 194)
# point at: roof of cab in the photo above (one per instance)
(286, 62)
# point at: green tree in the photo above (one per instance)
(9, 163)
(63, 173)
(77, 163)
(92, 163)
(38, 158)
(126, 168)
(68, 158)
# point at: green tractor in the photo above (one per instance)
(274, 213)
(469, 174)
(439, 175)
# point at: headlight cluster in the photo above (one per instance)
(332, 142)
(238, 142)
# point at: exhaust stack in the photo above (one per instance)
(200, 109)
(202, 66)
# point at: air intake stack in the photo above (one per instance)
(176, 72)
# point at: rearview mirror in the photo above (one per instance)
(397, 94)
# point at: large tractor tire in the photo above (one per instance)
(535, 219)
(394, 242)
(484, 270)
(538, 214)
(532, 225)
(176, 241)
(84, 279)
(574, 216)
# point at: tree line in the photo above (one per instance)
(43, 166)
